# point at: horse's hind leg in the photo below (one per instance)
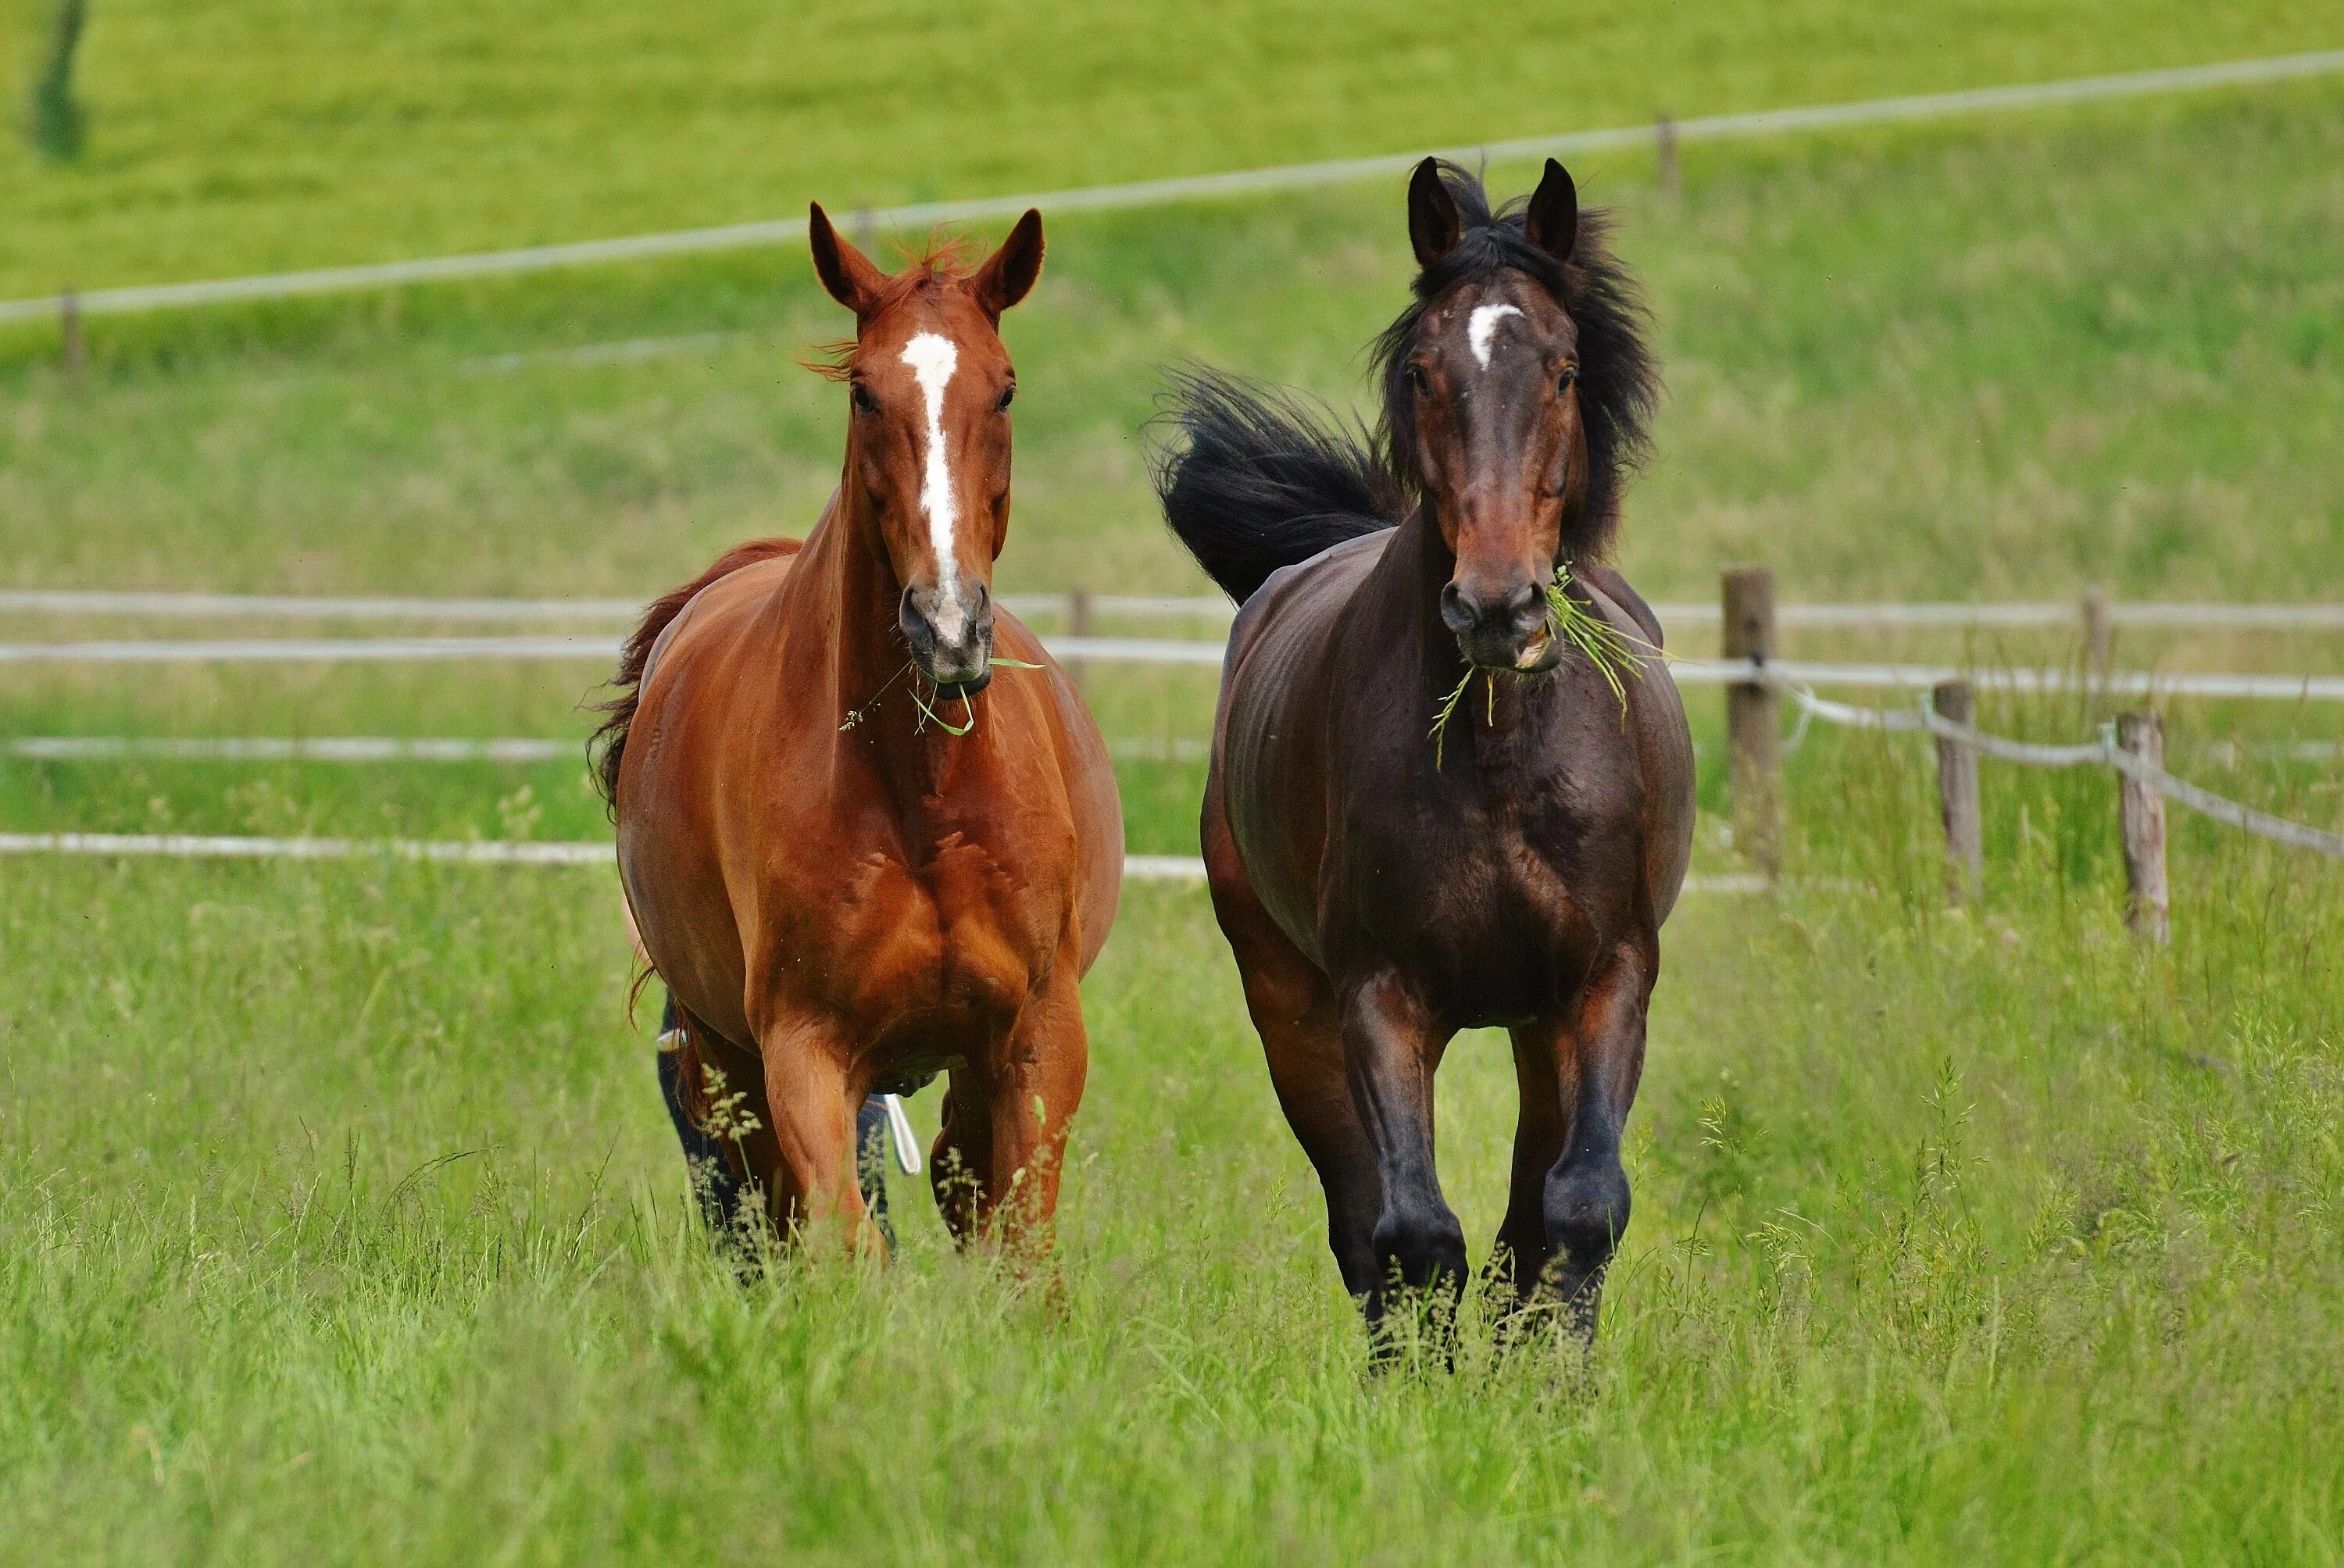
(720, 1092)
(1584, 1197)
(715, 1163)
(1519, 1262)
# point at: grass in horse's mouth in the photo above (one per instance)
(1613, 652)
(857, 715)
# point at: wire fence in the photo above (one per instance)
(143, 604)
(1158, 192)
(2104, 752)
(1194, 652)
(1747, 613)
(146, 604)
(1173, 868)
(448, 852)
(415, 749)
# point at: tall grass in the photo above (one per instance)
(338, 1214)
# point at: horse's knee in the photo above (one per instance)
(1586, 1204)
(1423, 1242)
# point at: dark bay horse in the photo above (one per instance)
(852, 851)
(1382, 890)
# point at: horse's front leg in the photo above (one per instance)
(1003, 1147)
(1598, 1064)
(1391, 1046)
(810, 1191)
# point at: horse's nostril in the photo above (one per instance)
(1459, 613)
(1527, 607)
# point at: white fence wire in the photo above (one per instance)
(1156, 192)
(158, 604)
(166, 605)
(523, 851)
(1197, 653)
(418, 749)
(451, 852)
(2102, 751)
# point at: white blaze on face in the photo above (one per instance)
(932, 360)
(1480, 325)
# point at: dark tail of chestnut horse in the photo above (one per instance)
(608, 744)
(1261, 480)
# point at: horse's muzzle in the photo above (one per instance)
(950, 635)
(1507, 633)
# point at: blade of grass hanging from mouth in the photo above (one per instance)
(946, 726)
(1440, 720)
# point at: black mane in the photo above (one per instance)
(1619, 380)
(1259, 480)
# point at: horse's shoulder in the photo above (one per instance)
(1611, 588)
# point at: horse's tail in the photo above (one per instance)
(608, 744)
(1258, 479)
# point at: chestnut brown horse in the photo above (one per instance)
(1382, 889)
(852, 853)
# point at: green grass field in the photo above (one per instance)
(2002, 360)
(241, 136)
(342, 1221)
(339, 1215)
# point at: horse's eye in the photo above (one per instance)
(1563, 383)
(1418, 382)
(864, 403)
(1008, 396)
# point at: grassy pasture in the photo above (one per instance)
(341, 1217)
(242, 135)
(338, 1214)
(2093, 347)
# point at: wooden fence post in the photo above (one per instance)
(2099, 635)
(1079, 622)
(2140, 814)
(1957, 793)
(76, 346)
(1752, 731)
(1664, 143)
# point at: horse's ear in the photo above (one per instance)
(845, 271)
(1008, 273)
(1553, 222)
(1433, 226)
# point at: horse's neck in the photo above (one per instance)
(846, 596)
(1405, 593)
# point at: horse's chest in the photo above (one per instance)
(885, 935)
(1498, 912)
